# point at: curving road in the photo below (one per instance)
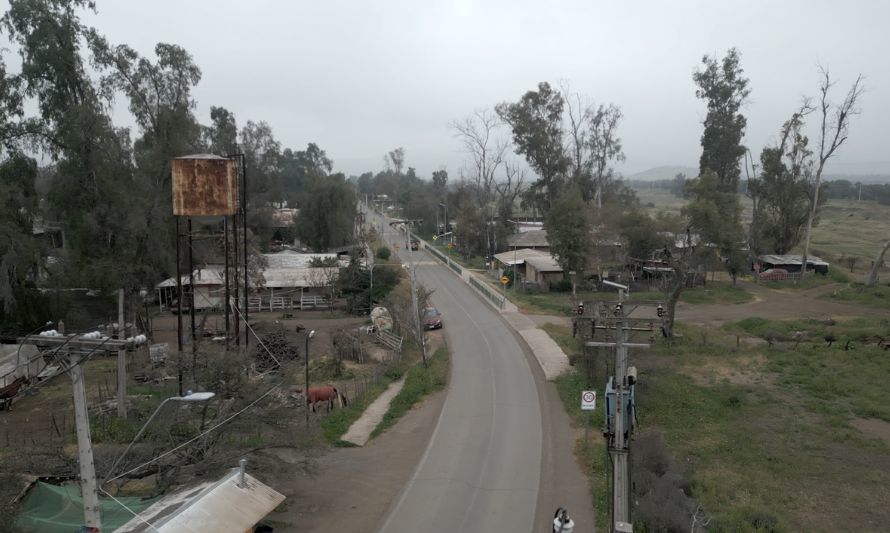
(481, 470)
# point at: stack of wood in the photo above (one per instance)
(280, 348)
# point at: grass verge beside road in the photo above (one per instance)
(420, 381)
(793, 437)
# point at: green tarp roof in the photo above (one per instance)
(59, 509)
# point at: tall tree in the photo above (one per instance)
(159, 94)
(715, 213)
(569, 225)
(605, 147)
(783, 190)
(536, 121)
(723, 87)
(94, 164)
(485, 150)
(440, 181)
(327, 218)
(833, 132)
(19, 252)
(221, 137)
(262, 155)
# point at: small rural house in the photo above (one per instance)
(532, 266)
(289, 281)
(790, 263)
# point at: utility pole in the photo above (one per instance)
(620, 407)
(121, 360)
(413, 273)
(88, 486)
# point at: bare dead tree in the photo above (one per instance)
(578, 110)
(397, 157)
(605, 146)
(509, 188)
(879, 260)
(486, 149)
(834, 130)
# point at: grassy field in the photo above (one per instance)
(789, 437)
(877, 296)
(560, 303)
(846, 227)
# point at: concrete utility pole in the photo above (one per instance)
(619, 426)
(413, 276)
(88, 486)
(121, 360)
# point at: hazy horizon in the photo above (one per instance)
(362, 79)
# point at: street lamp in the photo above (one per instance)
(189, 397)
(308, 336)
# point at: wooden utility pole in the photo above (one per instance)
(121, 360)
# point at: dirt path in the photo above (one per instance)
(769, 303)
(353, 488)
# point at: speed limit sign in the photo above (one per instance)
(588, 400)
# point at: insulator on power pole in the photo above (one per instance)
(618, 309)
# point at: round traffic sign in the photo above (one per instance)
(505, 280)
(588, 396)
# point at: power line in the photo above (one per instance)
(132, 512)
(227, 420)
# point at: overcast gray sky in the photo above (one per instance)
(360, 78)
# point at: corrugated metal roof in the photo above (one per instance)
(220, 507)
(790, 259)
(519, 256)
(544, 263)
(284, 270)
(535, 238)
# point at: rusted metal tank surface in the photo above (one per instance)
(205, 185)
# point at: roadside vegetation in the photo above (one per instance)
(420, 382)
(768, 424)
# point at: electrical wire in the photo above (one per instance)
(198, 436)
(132, 512)
(220, 424)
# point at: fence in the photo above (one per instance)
(393, 342)
(495, 298)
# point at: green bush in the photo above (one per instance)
(383, 253)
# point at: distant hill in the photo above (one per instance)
(663, 173)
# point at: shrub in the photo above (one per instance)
(383, 253)
(662, 493)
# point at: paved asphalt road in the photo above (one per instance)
(481, 470)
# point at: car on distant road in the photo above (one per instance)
(415, 244)
(774, 274)
(432, 319)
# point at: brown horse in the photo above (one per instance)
(326, 395)
(9, 392)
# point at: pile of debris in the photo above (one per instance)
(276, 343)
